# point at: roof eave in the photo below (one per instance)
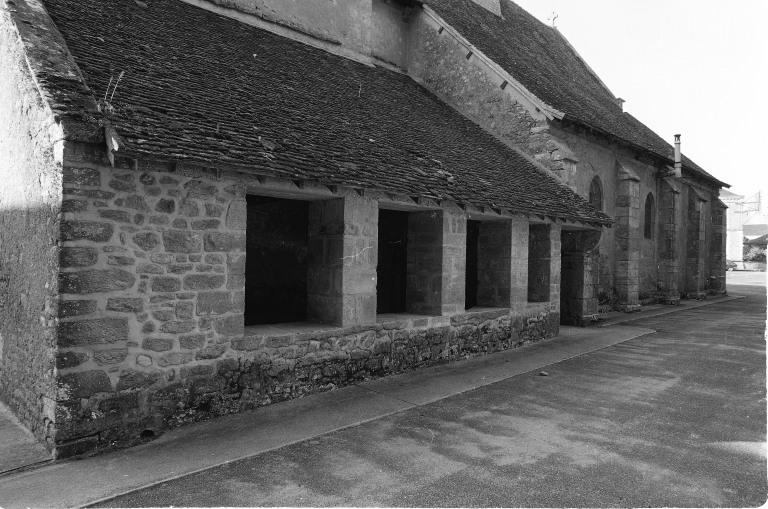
(640, 148)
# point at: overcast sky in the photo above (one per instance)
(695, 67)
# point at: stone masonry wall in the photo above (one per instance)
(694, 287)
(152, 291)
(443, 65)
(669, 263)
(717, 248)
(30, 199)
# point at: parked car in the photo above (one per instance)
(730, 265)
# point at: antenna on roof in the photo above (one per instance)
(552, 18)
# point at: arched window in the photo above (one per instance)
(596, 193)
(650, 216)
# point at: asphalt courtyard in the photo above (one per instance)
(674, 418)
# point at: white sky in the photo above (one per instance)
(695, 67)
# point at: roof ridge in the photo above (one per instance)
(557, 32)
(586, 64)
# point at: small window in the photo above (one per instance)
(276, 260)
(596, 193)
(470, 283)
(393, 261)
(650, 216)
(489, 266)
(539, 258)
(409, 273)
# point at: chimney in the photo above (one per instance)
(678, 158)
(621, 103)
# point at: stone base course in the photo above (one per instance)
(263, 369)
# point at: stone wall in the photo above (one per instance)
(701, 245)
(579, 285)
(341, 23)
(153, 288)
(266, 368)
(626, 181)
(441, 62)
(693, 244)
(30, 201)
(628, 267)
(668, 233)
(717, 249)
(364, 30)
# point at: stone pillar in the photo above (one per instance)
(694, 256)
(540, 273)
(555, 268)
(324, 263)
(454, 251)
(361, 228)
(669, 228)
(436, 261)
(518, 292)
(717, 247)
(341, 280)
(579, 284)
(494, 264)
(627, 241)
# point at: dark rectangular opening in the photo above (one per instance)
(276, 260)
(539, 258)
(392, 265)
(471, 272)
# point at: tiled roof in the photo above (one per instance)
(541, 59)
(202, 87)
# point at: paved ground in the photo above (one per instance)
(674, 418)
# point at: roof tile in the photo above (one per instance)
(207, 88)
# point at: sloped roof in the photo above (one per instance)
(543, 61)
(202, 87)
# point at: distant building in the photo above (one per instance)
(747, 220)
(209, 206)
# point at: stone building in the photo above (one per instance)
(747, 221)
(209, 206)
